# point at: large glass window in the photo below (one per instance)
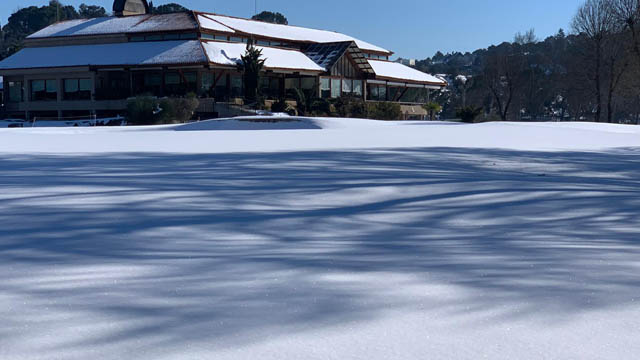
(16, 91)
(236, 86)
(221, 91)
(290, 84)
(325, 88)
(270, 87)
(147, 82)
(308, 83)
(44, 90)
(77, 89)
(208, 37)
(394, 92)
(347, 87)
(206, 87)
(335, 88)
(180, 83)
(376, 92)
(357, 87)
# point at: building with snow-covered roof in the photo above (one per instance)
(91, 66)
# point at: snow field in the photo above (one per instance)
(320, 239)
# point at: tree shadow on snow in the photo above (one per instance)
(230, 247)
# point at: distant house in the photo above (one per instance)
(91, 66)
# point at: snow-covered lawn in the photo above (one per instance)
(320, 239)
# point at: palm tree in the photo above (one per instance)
(251, 66)
(433, 108)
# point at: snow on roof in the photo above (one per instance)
(134, 53)
(117, 25)
(224, 53)
(288, 32)
(209, 24)
(397, 71)
(166, 22)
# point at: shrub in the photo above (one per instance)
(432, 108)
(140, 110)
(384, 111)
(351, 107)
(279, 106)
(148, 110)
(468, 113)
(177, 110)
(319, 107)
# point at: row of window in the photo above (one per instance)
(47, 90)
(225, 38)
(376, 57)
(397, 94)
(160, 37)
(334, 88)
(243, 40)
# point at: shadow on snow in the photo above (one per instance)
(213, 247)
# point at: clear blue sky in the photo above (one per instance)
(411, 28)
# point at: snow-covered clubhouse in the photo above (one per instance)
(91, 66)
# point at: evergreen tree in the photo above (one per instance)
(251, 66)
(167, 8)
(271, 17)
(91, 11)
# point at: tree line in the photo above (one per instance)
(591, 74)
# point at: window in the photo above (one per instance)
(237, 39)
(16, 91)
(153, 37)
(236, 86)
(308, 83)
(221, 92)
(325, 88)
(335, 88)
(357, 87)
(270, 87)
(137, 38)
(206, 87)
(172, 78)
(178, 83)
(44, 90)
(189, 36)
(347, 86)
(208, 36)
(77, 89)
(221, 37)
(172, 37)
(377, 92)
(393, 93)
(147, 82)
(263, 43)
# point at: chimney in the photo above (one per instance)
(130, 7)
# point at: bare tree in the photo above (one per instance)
(627, 13)
(502, 74)
(596, 21)
(616, 63)
(529, 37)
